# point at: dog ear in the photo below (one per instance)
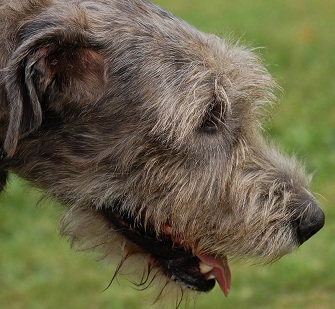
(47, 71)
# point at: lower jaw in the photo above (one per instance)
(186, 273)
(176, 263)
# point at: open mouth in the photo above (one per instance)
(197, 272)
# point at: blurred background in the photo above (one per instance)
(39, 270)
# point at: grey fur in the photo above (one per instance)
(120, 105)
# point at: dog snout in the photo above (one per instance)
(310, 222)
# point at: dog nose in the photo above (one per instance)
(310, 222)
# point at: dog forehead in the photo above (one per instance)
(185, 60)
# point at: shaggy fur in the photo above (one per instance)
(147, 130)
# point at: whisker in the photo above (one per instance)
(118, 268)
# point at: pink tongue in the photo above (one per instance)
(221, 271)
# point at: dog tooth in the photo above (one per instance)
(167, 229)
(204, 268)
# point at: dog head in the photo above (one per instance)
(148, 131)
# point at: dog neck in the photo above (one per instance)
(3, 179)
(3, 173)
(1, 153)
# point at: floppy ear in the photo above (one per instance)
(58, 67)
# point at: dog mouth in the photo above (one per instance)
(197, 272)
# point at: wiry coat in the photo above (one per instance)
(147, 130)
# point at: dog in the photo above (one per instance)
(147, 131)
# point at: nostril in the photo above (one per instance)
(310, 223)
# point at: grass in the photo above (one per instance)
(37, 268)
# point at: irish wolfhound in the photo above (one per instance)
(147, 130)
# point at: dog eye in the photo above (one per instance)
(209, 125)
(213, 119)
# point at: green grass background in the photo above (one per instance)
(37, 268)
